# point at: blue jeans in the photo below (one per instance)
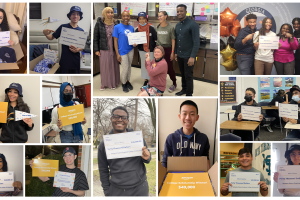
(245, 64)
(68, 137)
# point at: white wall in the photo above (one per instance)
(81, 80)
(31, 96)
(168, 121)
(14, 157)
(60, 11)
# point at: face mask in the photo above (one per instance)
(68, 97)
(296, 98)
(248, 98)
(142, 24)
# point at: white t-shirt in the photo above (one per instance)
(265, 55)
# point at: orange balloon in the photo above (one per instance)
(236, 28)
(227, 17)
(224, 31)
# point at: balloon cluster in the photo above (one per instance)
(229, 27)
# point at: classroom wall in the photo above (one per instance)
(60, 11)
(31, 96)
(168, 121)
(14, 161)
(231, 147)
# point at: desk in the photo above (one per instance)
(228, 111)
(289, 125)
(269, 108)
(242, 125)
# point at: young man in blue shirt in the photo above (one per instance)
(70, 55)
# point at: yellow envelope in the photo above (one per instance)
(71, 114)
(3, 112)
(44, 167)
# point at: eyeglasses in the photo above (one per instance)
(116, 117)
(68, 155)
(295, 154)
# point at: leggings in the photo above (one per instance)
(126, 66)
(285, 68)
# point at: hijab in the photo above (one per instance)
(105, 18)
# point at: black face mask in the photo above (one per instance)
(248, 98)
(68, 96)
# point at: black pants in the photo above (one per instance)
(140, 190)
(186, 75)
(274, 113)
(246, 135)
(297, 66)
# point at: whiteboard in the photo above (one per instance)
(134, 8)
(47, 99)
(55, 95)
(204, 9)
(171, 8)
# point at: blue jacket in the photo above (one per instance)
(247, 48)
(177, 144)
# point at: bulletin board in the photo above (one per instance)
(171, 8)
(269, 86)
(134, 8)
(205, 9)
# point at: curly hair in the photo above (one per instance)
(4, 25)
(290, 31)
(251, 16)
(21, 104)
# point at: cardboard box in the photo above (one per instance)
(194, 180)
(35, 61)
(19, 56)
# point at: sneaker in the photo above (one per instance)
(172, 88)
(113, 88)
(129, 86)
(125, 88)
(146, 82)
(102, 88)
(270, 129)
(182, 92)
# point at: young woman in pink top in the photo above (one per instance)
(284, 59)
(157, 70)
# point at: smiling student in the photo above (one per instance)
(296, 26)
(245, 159)
(187, 141)
(4, 24)
(70, 55)
(15, 131)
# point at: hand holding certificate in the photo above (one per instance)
(73, 37)
(268, 42)
(64, 179)
(251, 113)
(4, 38)
(288, 110)
(244, 181)
(6, 181)
(123, 145)
(289, 177)
(137, 38)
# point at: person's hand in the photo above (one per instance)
(119, 58)
(261, 117)
(145, 153)
(28, 121)
(31, 163)
(298, 102)
(176, 57)
(263, 185)
(74, 49)
(191, 61)
(18, 185)
(147, 56)
(293, 121)
(288, 35)
(97, 53)
(84, 121)
(285, 119)
(240, 117)
(65, 189)
(59, 124)
(172, 56)
(225, 187)
(10, 42)
(256, 44)
(134, 45)
(249, 37)
(47, 31)
(275, 177)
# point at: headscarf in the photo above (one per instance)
(105, 18)
(4, 168)
(146, 29)
(77, 129)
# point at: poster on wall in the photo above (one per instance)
(269, 86)
(262, 160)
(133, 8)
(171, 8)
(228, 92)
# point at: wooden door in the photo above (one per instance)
(88, 94)
(80, 93)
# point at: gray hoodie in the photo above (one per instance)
(122, 173)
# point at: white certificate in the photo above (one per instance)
(288, 110)
(137, 38)
(123, 145)
(6, 181)
(64, 179)
(4, 37)
(51, 54)
(73, 37)
(268, 42)
(289, 177)
(251, 112)
(244, 181)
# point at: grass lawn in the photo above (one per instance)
(151, 177)
(95, 160)
(153, 153)
(96, 176)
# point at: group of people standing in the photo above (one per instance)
(253, 60)
(164, 44)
